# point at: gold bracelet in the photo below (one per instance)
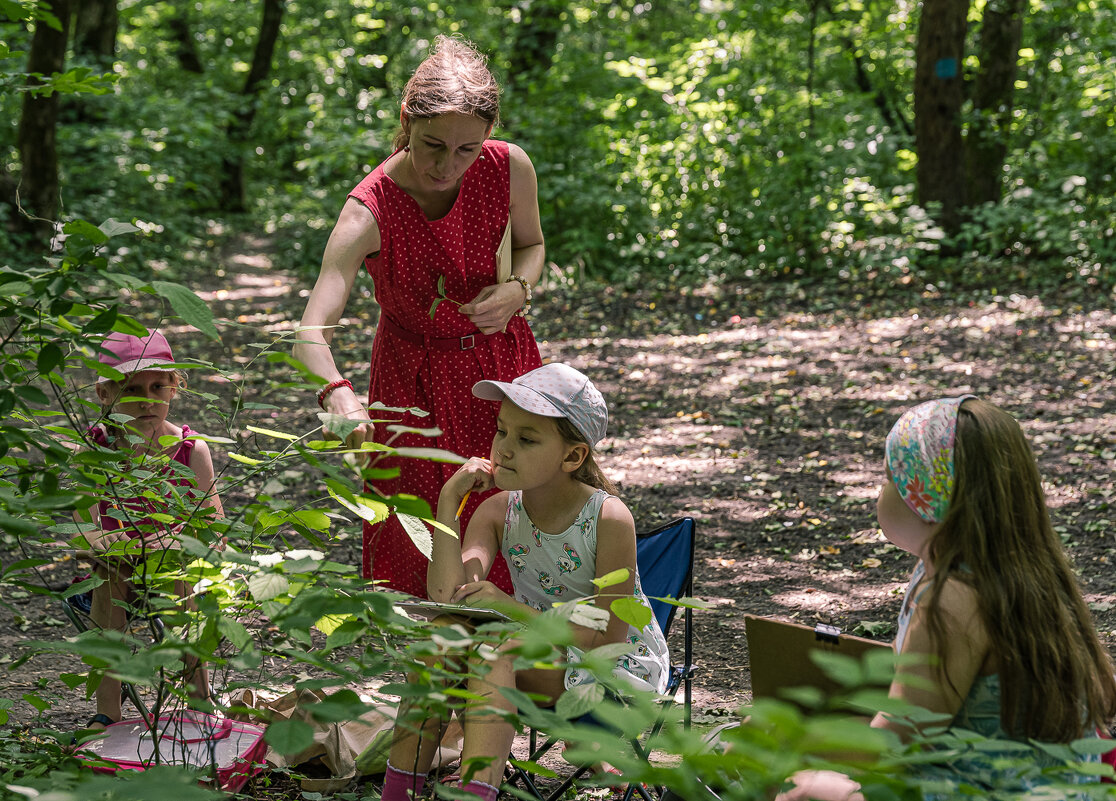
(523, 282)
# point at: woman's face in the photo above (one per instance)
(442, 148)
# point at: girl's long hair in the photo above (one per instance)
(590, 472)
(454, 79)
(1056, 678)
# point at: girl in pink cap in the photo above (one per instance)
(1002, 641)
(559, 525)
(134, 422)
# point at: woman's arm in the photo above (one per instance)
(967, 652)
(528, 249)
(616, 549)
(494, 306)
(354, 236)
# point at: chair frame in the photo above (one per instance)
(680, 675)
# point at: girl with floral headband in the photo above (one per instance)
(993, 607)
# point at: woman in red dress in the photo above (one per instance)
(432, 215)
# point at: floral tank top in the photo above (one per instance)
(561, 567)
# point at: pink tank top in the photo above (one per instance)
(131, 513)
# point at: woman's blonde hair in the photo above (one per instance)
(453, 79)
(589, 472)
(1056, 678)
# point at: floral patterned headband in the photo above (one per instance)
(919, 455)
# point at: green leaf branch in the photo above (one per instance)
(442, 296)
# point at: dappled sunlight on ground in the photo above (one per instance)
(770, 434)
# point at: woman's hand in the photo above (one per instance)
(494, 306)
(344, 403)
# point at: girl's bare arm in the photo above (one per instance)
(928, 687)
(458, 560)
(616, 549)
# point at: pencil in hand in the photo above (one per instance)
(461, 508)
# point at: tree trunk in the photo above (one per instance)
(536, 39)
(182, 34)
(238, 129)
(986, 143)
(95, 24)
(38, 145)
(938, 95)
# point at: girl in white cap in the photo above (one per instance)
(560, 526)
(122, 523)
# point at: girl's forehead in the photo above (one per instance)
(521, 417)
(150, 375)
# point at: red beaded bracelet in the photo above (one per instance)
(332, 385)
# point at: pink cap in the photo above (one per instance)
(131, 354)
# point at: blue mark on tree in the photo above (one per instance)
(946, 68)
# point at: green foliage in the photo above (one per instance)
(722, 149)
(238, 571)
(674, 142)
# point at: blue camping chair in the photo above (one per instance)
(665, 557)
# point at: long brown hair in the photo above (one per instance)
(589, 472)
(453, 79)
(997, 537)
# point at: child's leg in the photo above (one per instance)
(488, 733)
(196, 674)
(417, 733)
(414, 743)
(108, 614)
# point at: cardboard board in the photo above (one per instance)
(779, 654)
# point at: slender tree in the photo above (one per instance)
(938, 96)
(182, 34)
(239, 127)
(95, 25)
(536, 40)
(986, 143)
(38, 145)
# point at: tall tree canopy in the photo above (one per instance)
(689, 138)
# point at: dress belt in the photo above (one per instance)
(467, 342)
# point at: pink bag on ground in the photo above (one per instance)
(192, 740)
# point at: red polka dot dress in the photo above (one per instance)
(432, 364)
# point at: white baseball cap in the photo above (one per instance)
(554, 390)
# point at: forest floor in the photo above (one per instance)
(760, 415)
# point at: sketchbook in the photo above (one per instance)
(420, 607)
